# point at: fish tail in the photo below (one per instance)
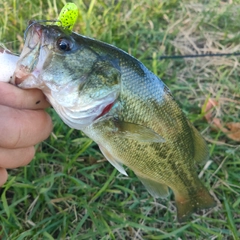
(190, 204)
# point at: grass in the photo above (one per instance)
(69, 191)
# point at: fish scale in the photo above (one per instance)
(127, 110)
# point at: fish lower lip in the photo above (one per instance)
(18, 81)
(19, 78)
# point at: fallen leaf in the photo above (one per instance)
(208, 107)
(216, 122)
(231, 129)
(234, 131)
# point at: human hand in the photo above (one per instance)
(23, 123)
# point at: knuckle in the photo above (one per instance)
(47, 125)
(50, 123)
(17, 136)
(29, 155)
(3, 176)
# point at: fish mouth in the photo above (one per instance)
(30, 61)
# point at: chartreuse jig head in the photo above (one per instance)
(68, 16)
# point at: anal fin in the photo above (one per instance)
(155, 188)
(112, 160)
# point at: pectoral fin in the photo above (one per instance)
(156, 189)
(137, 132)
(112, 160)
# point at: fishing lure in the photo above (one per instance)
(68, 16)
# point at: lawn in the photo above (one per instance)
(69, 191)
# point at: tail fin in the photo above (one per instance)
(187, 206)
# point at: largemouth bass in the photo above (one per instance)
(127, 110)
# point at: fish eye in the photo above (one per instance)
(64, 44)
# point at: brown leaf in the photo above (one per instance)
(217, 124)
(210, 105)
(234, 131)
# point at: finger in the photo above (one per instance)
(13, 96)
(13, 158)
(3, 176)
(23, 128)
